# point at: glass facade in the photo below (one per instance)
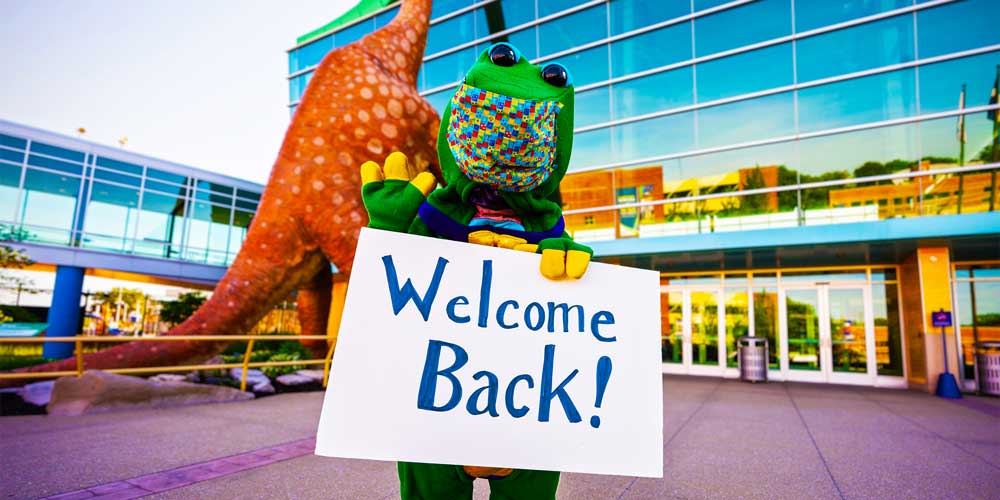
(61, 191)
(729, 96)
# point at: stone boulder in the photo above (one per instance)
(169, 378)
(315, 375)
(256, 380)
(38, 393)
(294, 379)
(100, 392)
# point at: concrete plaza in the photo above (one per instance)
(722, 439)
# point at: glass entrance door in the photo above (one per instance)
(692, 322)
(826, 334)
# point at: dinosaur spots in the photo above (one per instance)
(383, 89)
(362, 114)
(318, 141)
(345, 159)
(389, 130)
(296, 189)
(375, 146)
(298, 170)
(348, 118)
(400, 59)
(378, 110)
(398, 94)
(318, 159)
(411, 35)
(338, 199)
(359, 133)
(367, 92)
(411, 105)
(395, 108)
(318, 185)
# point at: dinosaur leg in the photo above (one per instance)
(313, 303)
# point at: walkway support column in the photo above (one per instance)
(64, 313)
(926, 284)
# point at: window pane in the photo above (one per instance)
(888, 346)
(457, 30)
(745, 73)
(654, 137)
(871, 45)
(120, 166)
(448, 69)
(67, 154)
(387, 16)
(131, 180)
(309, 55)
(939, 139)
(208, 232)
(442, 7)
(546, 7)
(165, 176)
(572, 31)
(525, 41)
(737, 321)
(49, 205)
(297, 85)
(50, 163)
(653, 93)
(811, 14)
(591, 148)
(353, 33)
(592, 106)
(958, 26)
(517, 12)
(652, 50)
(884, 96)
(589, 66)
(13, 142)
(742, 25)
(16, 157)
(160, 224)
(627, 15)
(110, 217)
(440, 99)
(765, 318)
(250, 195)
(839, 156)
(10, 178)
(941, 83)
(743, 121)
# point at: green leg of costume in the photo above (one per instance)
(450, 482)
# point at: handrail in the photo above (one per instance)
(246, 364)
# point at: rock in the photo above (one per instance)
(264, 387)
(100, 392)
(294, 379)
(168, 378)
(38, 393)
(315, 375)
(256, 379)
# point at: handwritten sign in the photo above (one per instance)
(464, 354)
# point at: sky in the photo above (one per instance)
(198, 82)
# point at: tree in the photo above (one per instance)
(986, 155)
(176, 311)
(11, 258)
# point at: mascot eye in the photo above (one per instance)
(555, 74)
(503, 54)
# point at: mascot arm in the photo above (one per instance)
(392, 195)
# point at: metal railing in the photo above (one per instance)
(80, 340)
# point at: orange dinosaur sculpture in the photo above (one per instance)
(362, 103)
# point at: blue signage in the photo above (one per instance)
(941, 318)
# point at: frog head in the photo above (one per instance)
(508, 126)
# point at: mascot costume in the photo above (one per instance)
(503, 147)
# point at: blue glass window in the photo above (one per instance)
(941, 83)
(573, 30)
(442, 7)
(525, 41)
(655, 92)
(309, 55)
(121, 166)
(871, 45)
(448, 69)
(700, 5)
(353, 33)
(48, 150)
(49, 205)
(591, 148)
(13, 142)
(250, 195)
(588, 66)
(297, 85)
(10, 179)
(652, 50)
(440, 99)
(812, 14)
(546, 7)
(744, 73)
(744, 121)
(387, 16)
(884, 96)
(248, 205)
(592, 106)
(12, 156)
(457, 30)
(111, 212)
(958, 26)
(165, 176)
(627, 15)
(108, 175)
(735, 165)
(654, 137)
(517, 12)
(837, 156)
(939, 139)
(10, 175)
(62, 166)
(742, 25)
(160, 225)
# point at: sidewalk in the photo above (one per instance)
(722, 439)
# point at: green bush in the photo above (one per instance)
(274, 371)
(15, 362)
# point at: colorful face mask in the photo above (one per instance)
(502, 141)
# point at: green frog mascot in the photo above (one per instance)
(504, 146)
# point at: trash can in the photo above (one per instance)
(988, 367)
(752, 358)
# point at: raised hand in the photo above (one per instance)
(393, 195)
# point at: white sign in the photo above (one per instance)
(463, 354)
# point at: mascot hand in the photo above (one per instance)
(393, 195)
(563, 258)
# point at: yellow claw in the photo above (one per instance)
(425, 182)
(553, 264)
(576, 263)
(483, 237)
(526, 247)
(509, 242)
(395, 167)
(370, 172)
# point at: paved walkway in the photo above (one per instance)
(723, 439)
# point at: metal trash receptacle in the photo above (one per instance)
(988, 367)
(752, 358)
